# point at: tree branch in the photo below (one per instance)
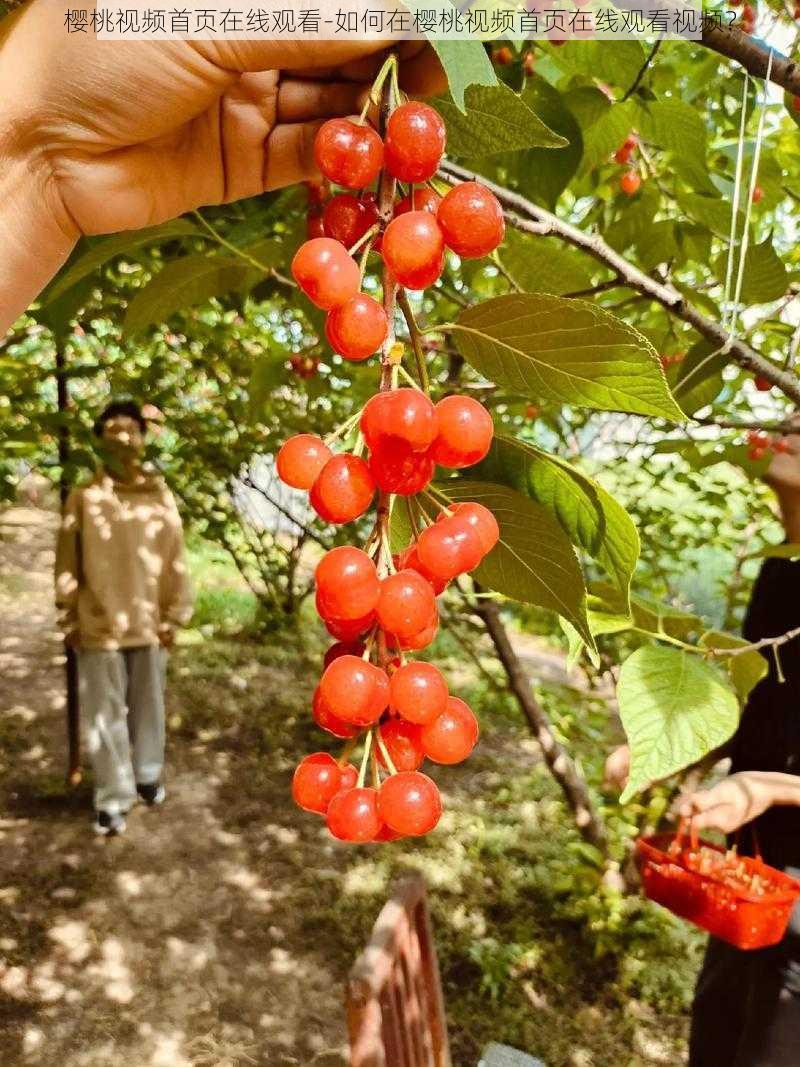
(530, 218)
(643, 70)
(752, 54)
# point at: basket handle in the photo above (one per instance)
(685, 829)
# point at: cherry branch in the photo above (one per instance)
(752, 54)
(524, 215)
(755, 646)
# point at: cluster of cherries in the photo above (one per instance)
(380, 607)
(631, 180)
(760, 444)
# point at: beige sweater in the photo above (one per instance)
(121, 577)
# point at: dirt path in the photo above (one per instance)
(164, 948)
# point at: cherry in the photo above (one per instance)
(796, 103)
(343, 489)
(347, 583)
(531, 412)
(503, 56)
(317, 192)
(386, 833)
(758, 194)
(314, 225)
(300, 460)
(449, 548)
(472, 220)
(780, 444)
(756, 454)
(416, 642)
(402, 741)
(343, 648)
(465, 432)
(418, 693)
(406, 414)
(304, 367)
(349, 778)
(410, 558)
(357, 328)
(413, 249)
(415, 138)
(452, 736)
(629, 182)
(762, 384)
(398, 469)
(409, 803)
(347, 629)
(354, 690)
(422, 199)
(529, 64)
(353, 815)
(326, 720)
(481, 520)
(406, 604)
(347, 153)
(326, 273)
(347, 218)
(316, 781)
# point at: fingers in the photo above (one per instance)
(422, 74)
(290, 154)
(301, 100)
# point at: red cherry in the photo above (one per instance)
(465, 432)
(472, 220)
(402, 741)
(409, 803)
(348, 629)
(326, 273)
(422, 199)
(397, 469)
(348, 582)
(300, 460)
(357, 328)
(415, 139)
(343, 490)
(406, 604)
(481, 520)
(349, 778)
(347, 218)
(343, 648)
(353, 690)
(316, 781)
(326, 720)
(421, 640)
(629, 183)
(623, 154)
(410, 558)
(449, 548)
(452, 736)
(387, 834)
(353, 815)
(406, 414)
(529, 60)
(762, 384)
(758, 194)
(418, 693)
(413, 249)
(756, 453)
(780, 444)
(503, 56)
(314, 225)
(347, 153)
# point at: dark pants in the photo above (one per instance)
(746, 1010)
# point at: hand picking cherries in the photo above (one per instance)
(761, 444)
(380, 606)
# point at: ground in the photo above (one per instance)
(218, 931)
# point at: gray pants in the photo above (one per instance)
(122, 706)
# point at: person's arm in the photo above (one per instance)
(68, 568)
(739, 799)
(176, 598)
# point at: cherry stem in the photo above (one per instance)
(345, 428)
(362, 774)
(364, 238)
(416, 343)
(376, 777)
(373, 97)
(385, 753)
(412, 519)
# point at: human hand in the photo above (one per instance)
(737, 800)
(166, 635)
(617, 768)
(783, 473)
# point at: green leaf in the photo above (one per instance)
(465, 62)
(765, 276)
(745, 670)
(700, 376)
(589, 516)
(679, 128)
(646, 613)
(603, 136)
(533, 562)
(540, 173)
(544, 265)
(612, 62)
(714, 214)
(564, 351)
(496, 120)
(675, 709)
(105, 249)
(778, 552)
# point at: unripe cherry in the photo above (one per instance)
(472, 220)
(480, 519)
(413, 249)
(410, 803)
(452, 736)
(420, 199)
(353, 815)
(465, 432)
(415, 140)
(402, 742)
(347, 153)
(343, 490)
(449, 548)
(404, 413)
(354, 690)
(357, 328)
(397, 469)
(326, 720)
(348, 583)
(347, 218)
(326, 273)
(316, 781)
(300, 460)
(418, 693)
(406, 604)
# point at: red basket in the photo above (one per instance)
(746, 915)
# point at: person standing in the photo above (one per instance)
(121, 590)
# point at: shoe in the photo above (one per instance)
(108, 824)
(152, 794)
